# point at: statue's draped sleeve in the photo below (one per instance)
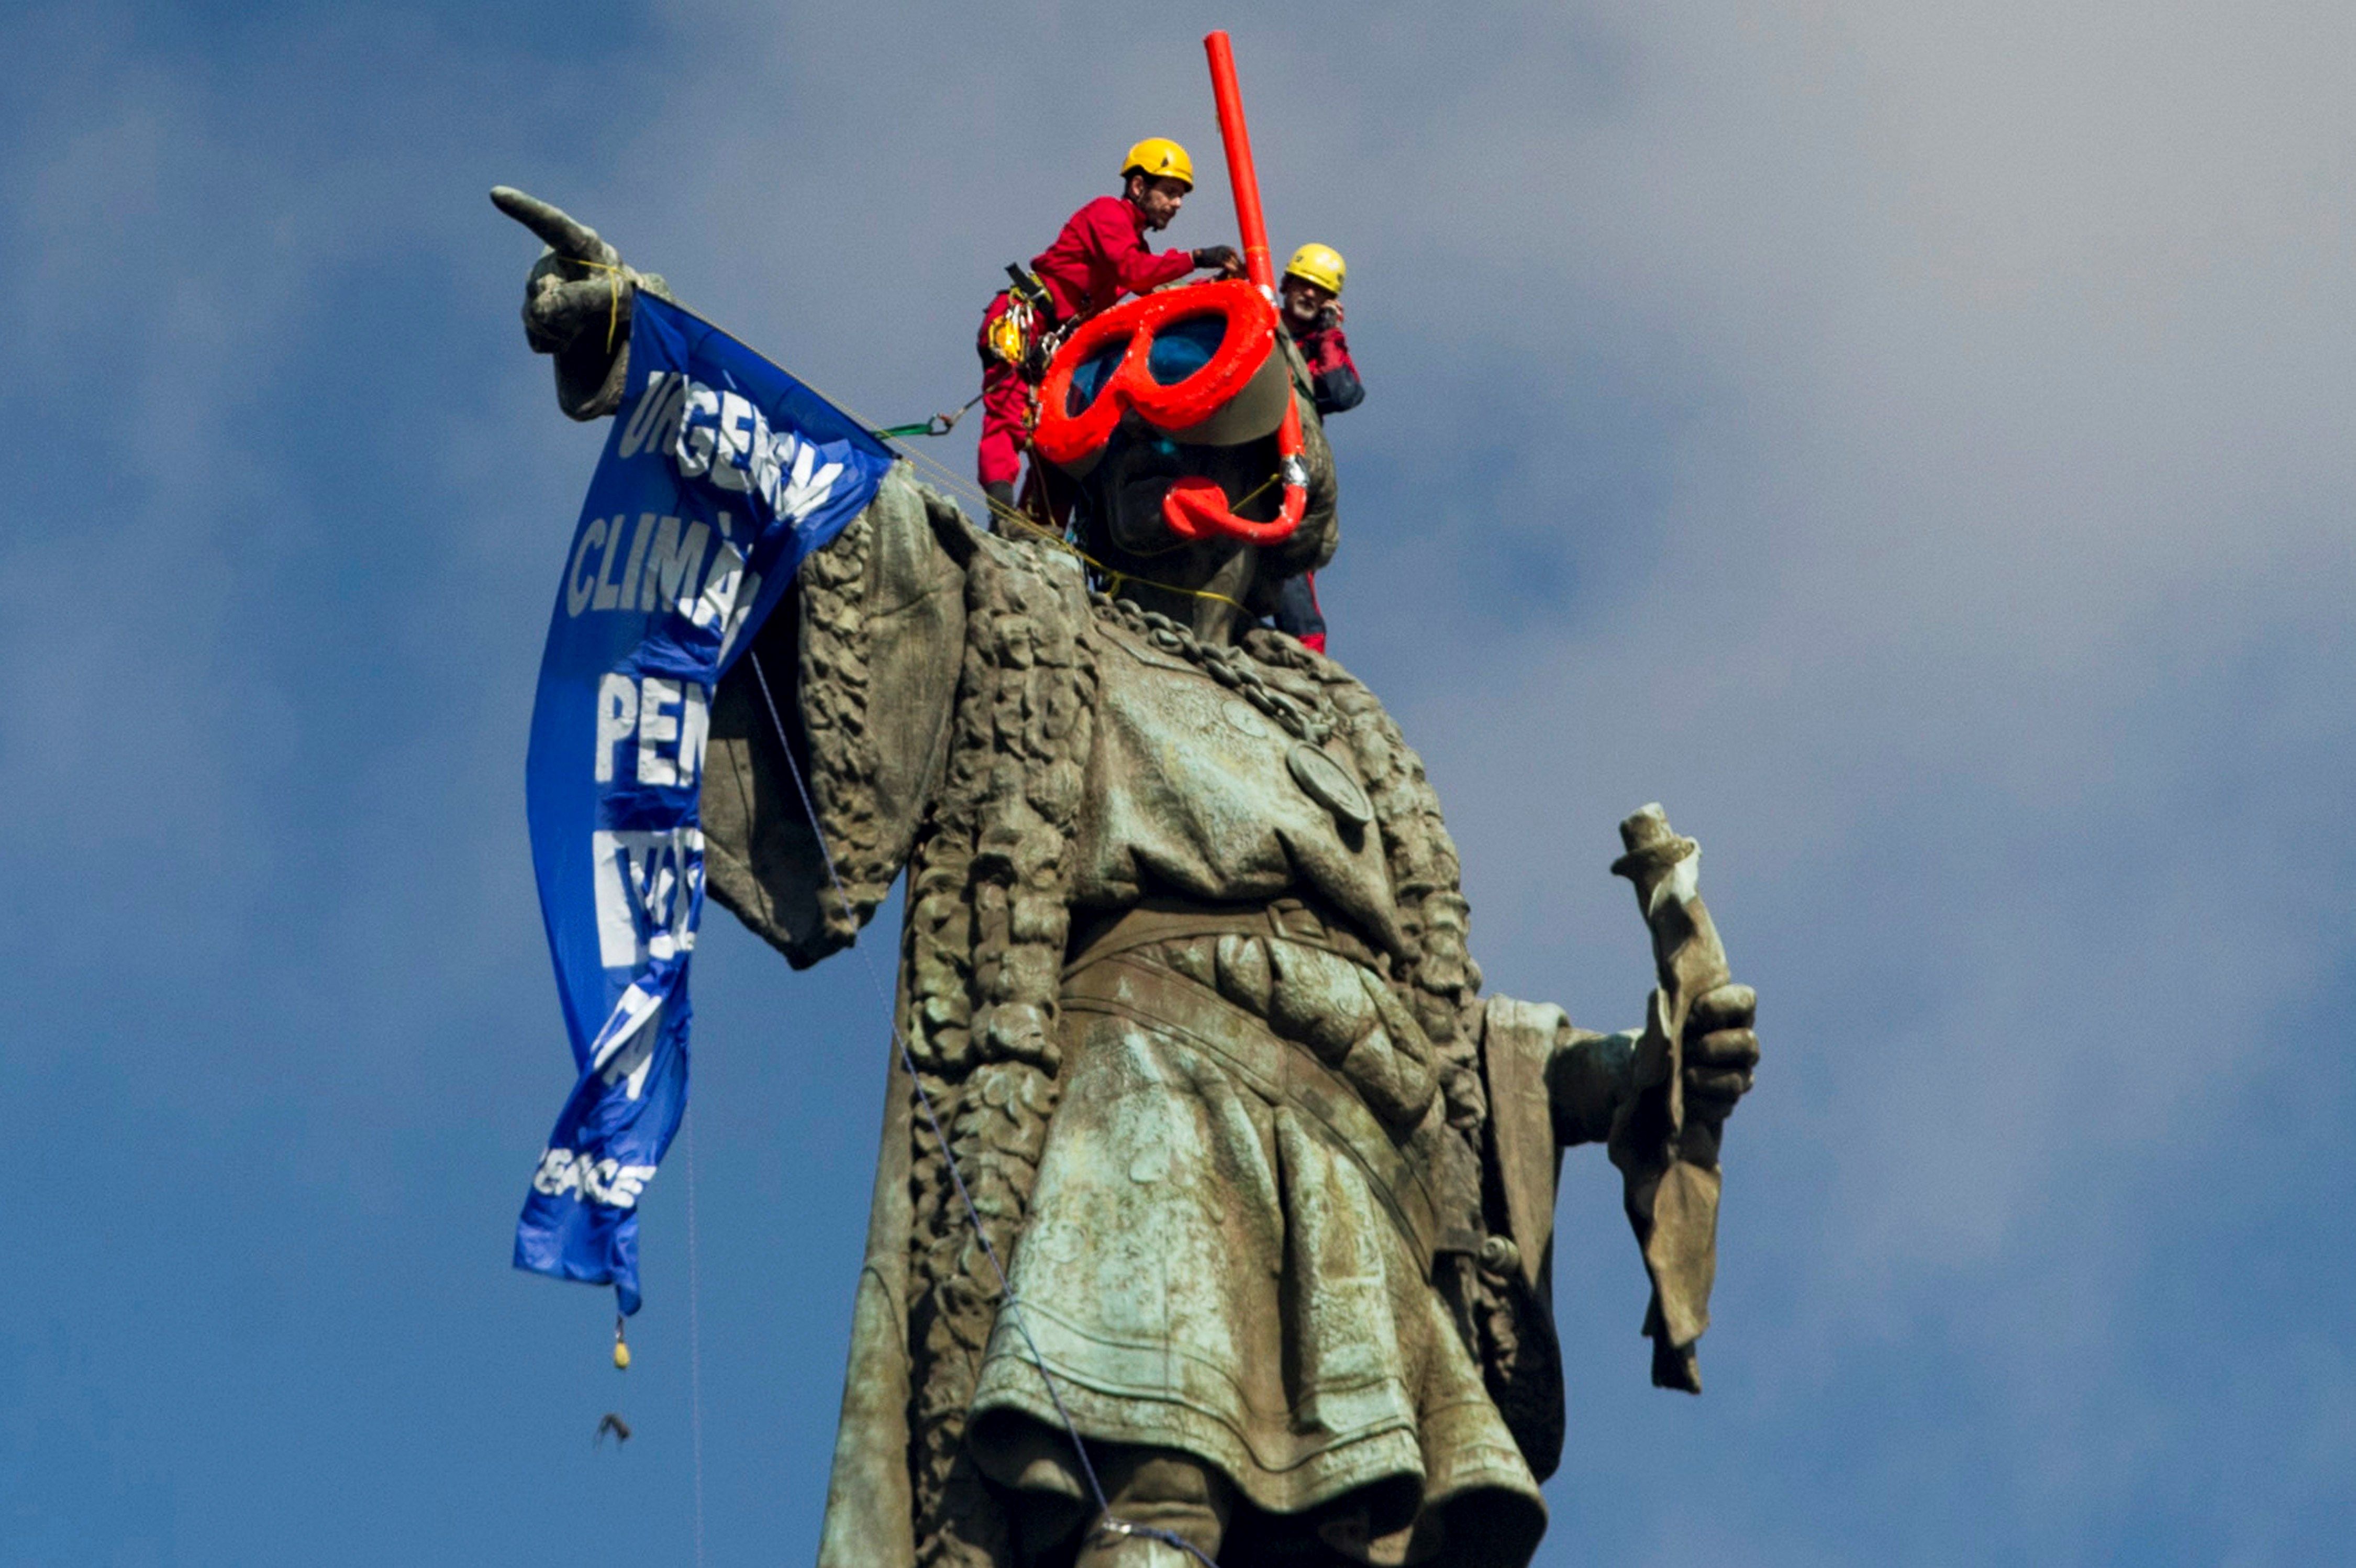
(1519, 1041)
(856, 672)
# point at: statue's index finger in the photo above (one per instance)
(557, 229)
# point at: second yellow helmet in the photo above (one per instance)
(1159, 158)
(1320, 264)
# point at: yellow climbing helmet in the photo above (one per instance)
(1320, 264)
(1159, 158)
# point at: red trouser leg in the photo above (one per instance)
(1004, 401)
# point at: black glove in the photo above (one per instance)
(1220, 258)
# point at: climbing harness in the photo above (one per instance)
(1025, 333)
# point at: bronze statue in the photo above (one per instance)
(1199, 1055)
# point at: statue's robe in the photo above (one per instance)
(1236, 1227)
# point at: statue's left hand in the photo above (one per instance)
(1721, 1050)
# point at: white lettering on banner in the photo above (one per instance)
(705, 432)
(653, 424)
(692, 451)
(609, 592)
(618, 720)
(694, 734)
(629, 595)
(808, 485)
(746, 598)
(722, 433)
(655, 726)
(732, 457)
(625, 1046)
(674, 565)
(608, 1182)
(645, 886)
(654, 711)
(577, 587)
(719, 593)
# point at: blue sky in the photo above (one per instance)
(1912, 444)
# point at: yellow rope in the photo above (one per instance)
(614, 294)
(1255, 494)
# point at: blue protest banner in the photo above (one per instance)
(720, 475)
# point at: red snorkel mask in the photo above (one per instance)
(1198, 364)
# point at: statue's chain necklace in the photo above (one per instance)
(1228, 665)
(1310, 722)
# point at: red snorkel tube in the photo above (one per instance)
(1196, 508)
(1258, 265)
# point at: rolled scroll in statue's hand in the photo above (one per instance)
(1692, 1062)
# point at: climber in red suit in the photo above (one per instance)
(1099, 256)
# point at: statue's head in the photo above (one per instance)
(1177, 419)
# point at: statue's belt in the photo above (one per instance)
(1158, 919)
(1111, 976)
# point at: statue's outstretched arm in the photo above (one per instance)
(1588, 1078)
(576, 304)
(840, 711)
(828, 738)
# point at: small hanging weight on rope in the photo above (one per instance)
(621, 1347)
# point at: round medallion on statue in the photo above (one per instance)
(1329, 784)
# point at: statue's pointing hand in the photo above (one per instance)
(576, 303)
(558, 230)
(1722, 1048)
(578, 281)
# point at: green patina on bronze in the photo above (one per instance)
(1184, 973)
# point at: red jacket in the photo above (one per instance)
(1101, 255)
(1331, 370)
